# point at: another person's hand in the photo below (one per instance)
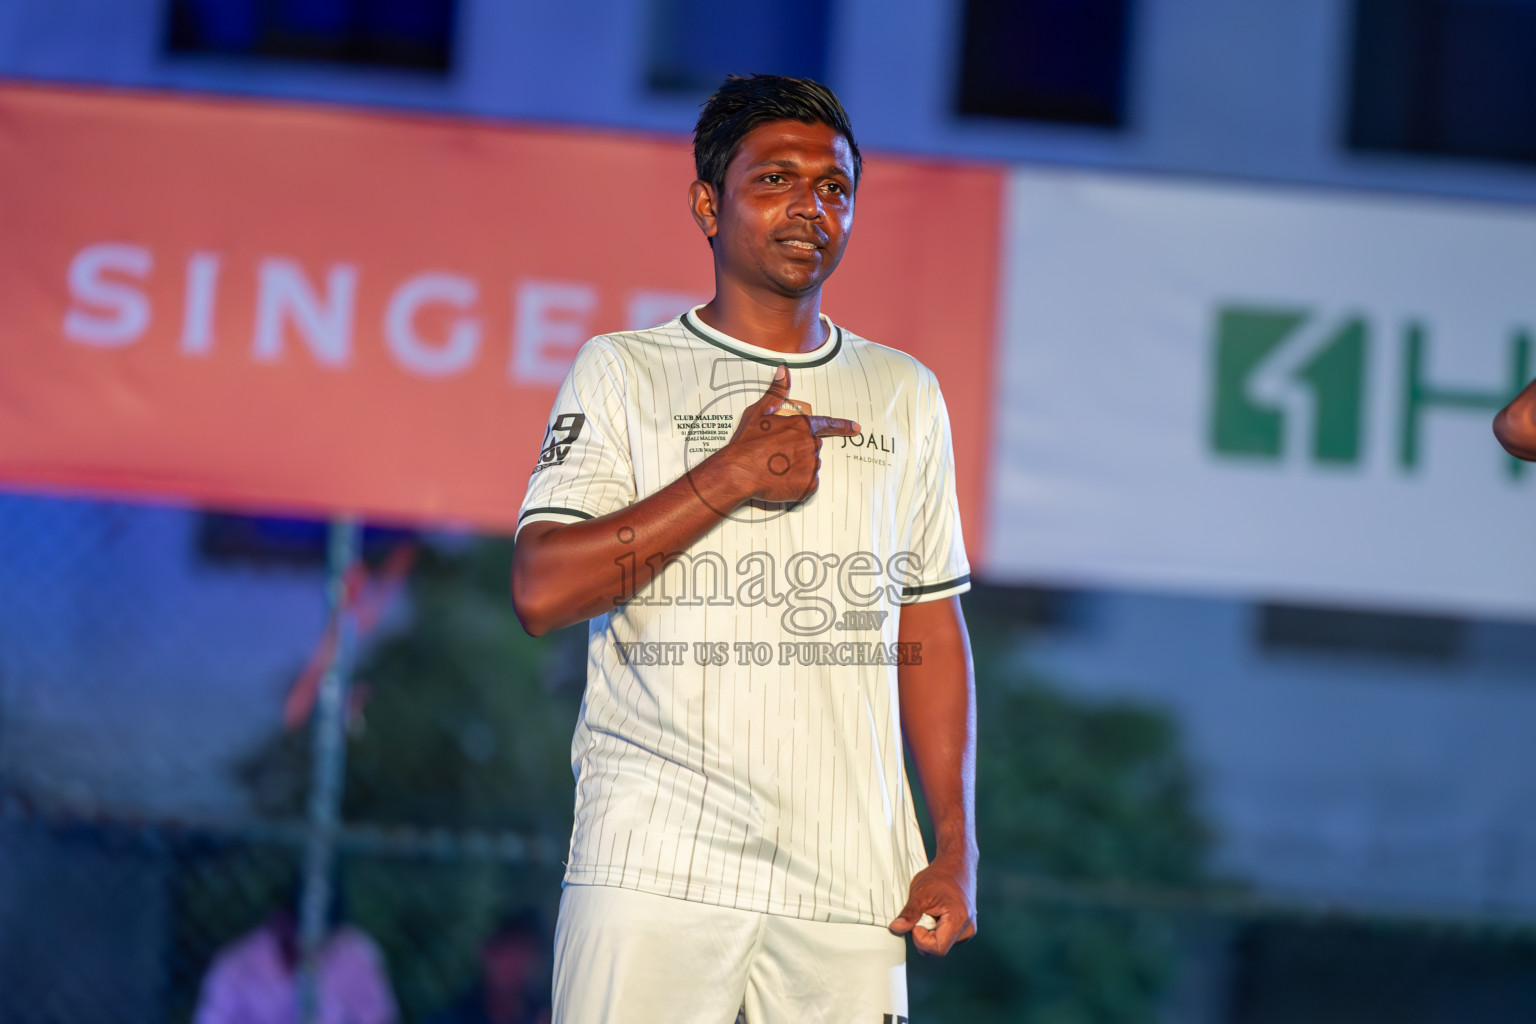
(778, 451)
(945, 891)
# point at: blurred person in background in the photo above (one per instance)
(1515, 425)
(514, 977)
(255, 979)
(745, 835)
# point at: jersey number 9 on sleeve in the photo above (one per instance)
(557, 440)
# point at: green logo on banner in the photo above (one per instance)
(1331, 367)
(1334, 375)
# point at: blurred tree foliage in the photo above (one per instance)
(1068, 790)
(467, 722)
(469, 726)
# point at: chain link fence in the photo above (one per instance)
(160, 692)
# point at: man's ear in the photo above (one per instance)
(702, 204)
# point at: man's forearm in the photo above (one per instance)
(938, 714)
(567, 573)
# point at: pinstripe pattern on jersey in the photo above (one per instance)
(779, 788)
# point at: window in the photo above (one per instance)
(1034, 608)
(1285, 972)
(1045, 60)
(412, 34)
(1287, 628)
(695, 43)
(1452, 77)
(229, 539)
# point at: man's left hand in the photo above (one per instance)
(947, 893)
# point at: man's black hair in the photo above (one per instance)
(745, 102)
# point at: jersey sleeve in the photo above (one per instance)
(583, 469)
(942, 569)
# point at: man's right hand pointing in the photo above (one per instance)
(780, 452)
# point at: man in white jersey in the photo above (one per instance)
(756, 510)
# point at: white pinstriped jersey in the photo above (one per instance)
(740, 738)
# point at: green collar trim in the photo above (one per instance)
(796, 360)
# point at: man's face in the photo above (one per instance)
(786, 210)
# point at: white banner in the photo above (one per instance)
(1265, 392)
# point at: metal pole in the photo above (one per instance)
(328, 767)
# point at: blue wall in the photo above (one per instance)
(1254, 89)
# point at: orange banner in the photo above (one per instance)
(314, 311)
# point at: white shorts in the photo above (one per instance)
(628, 957)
